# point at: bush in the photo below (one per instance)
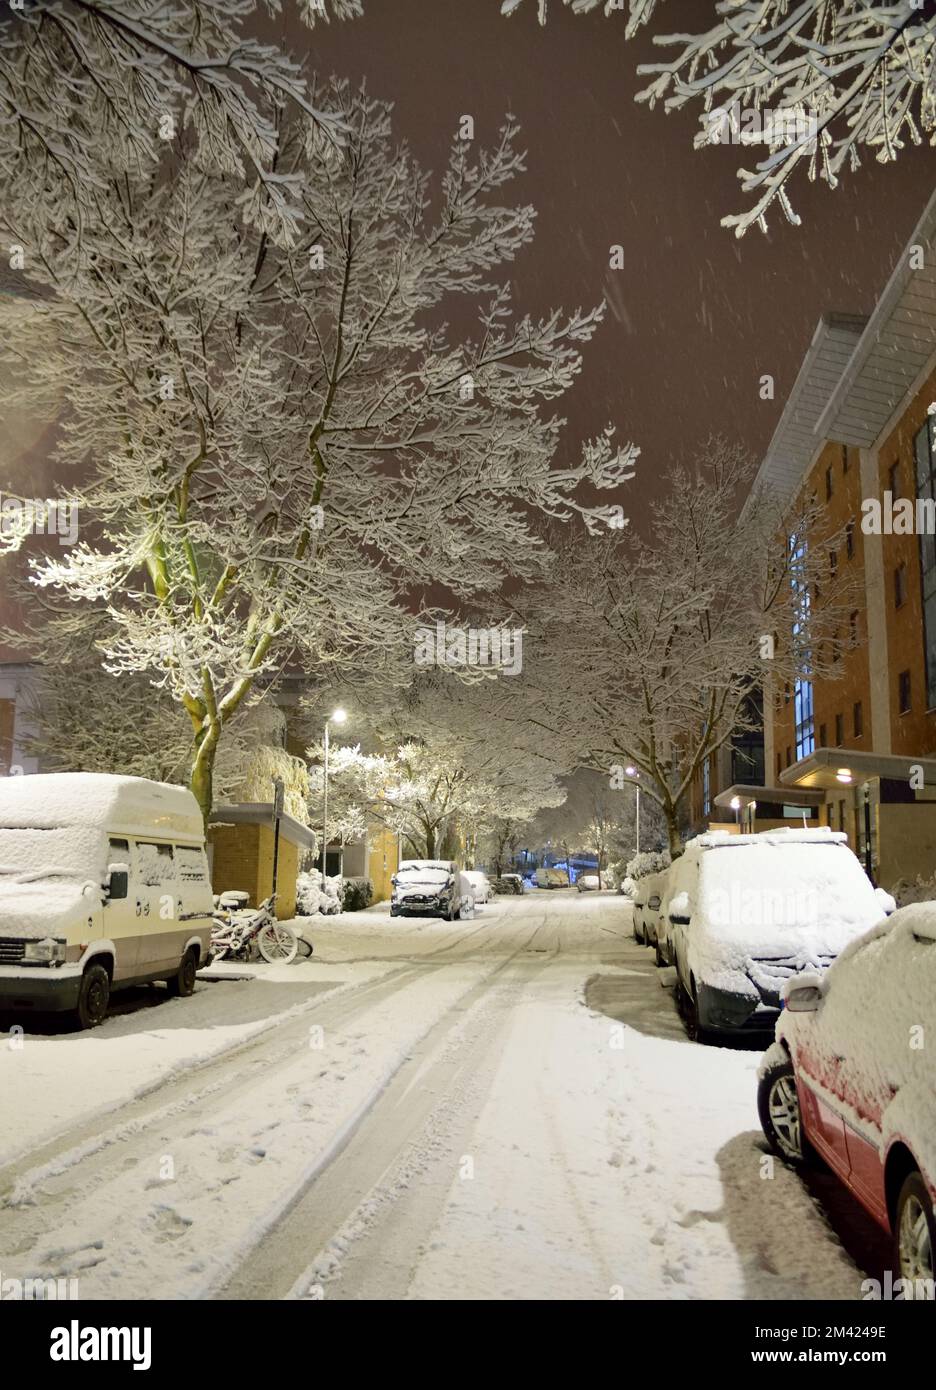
(922, 890)
(312, 898)
(358, 894)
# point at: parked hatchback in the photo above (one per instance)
(850, 1078)
(744, 913)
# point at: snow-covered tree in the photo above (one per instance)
(91, 87)
(677, 628)
(284, 442)
(84, 720)
(849, 76)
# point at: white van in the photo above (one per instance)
(103, 883)
(744, 913)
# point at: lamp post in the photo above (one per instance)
(736, 807)
(635, 773)
(337, 716)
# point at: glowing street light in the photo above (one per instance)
(337, 716)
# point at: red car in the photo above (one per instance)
(852, 1078)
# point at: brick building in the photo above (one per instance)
(857, 434)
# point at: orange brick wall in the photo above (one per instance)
(242, 861)
(839, 695)
(914, 732)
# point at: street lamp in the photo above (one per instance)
(337, 716)
(635, 773)
(736, 807)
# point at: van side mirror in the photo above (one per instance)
(118, 882)
(679, 908)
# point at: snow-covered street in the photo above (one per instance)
(506, 1107)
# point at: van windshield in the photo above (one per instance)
(29, 854)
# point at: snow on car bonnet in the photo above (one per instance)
(799, 895)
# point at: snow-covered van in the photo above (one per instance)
(552, 878)
(103, 883)
(744, 913)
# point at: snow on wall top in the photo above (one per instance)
(132, 804)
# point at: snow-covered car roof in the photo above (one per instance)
(785, 835)
(444, 865)
(51, 800)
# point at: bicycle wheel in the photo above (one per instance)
(277, 943)
(305, 947)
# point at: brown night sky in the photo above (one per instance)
(696, 316)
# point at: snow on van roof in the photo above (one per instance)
(46, 800)
(785, 835)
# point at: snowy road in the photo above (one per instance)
(502, 1108)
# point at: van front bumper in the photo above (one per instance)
(726, 1011)
(44, 988)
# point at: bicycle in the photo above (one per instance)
(238, 933)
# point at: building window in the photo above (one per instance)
(779, 766)
(857, 719)
(828, 484)
(789, 760)
(844, 458)
(706, 787)
(839, 730)
(833, 563)
(804, 726)
(893, 480)
(903, 692)
(923, 445)
(850, 540)
(853, 627)
(823, 736)
(900, 586)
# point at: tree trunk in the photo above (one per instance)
(202, 777)
(672, 831)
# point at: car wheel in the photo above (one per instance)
(915, 1237)
(638, 934)
(394, 912)
(780, 1116)
(93, 997)
(182, 984)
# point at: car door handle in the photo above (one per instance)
(139, 908)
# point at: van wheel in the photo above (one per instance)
(690, 1011)
(93, 997)
(182, 984)
(915, 1237)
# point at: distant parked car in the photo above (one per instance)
(849, 1079)
(434, 886)
(480, 883)
(508, 884)
(648, 896)
(744, 913)
(592, 883)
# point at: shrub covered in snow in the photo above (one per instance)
(312, 897)
(648, 862)
(918, 890)
(358, 894)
